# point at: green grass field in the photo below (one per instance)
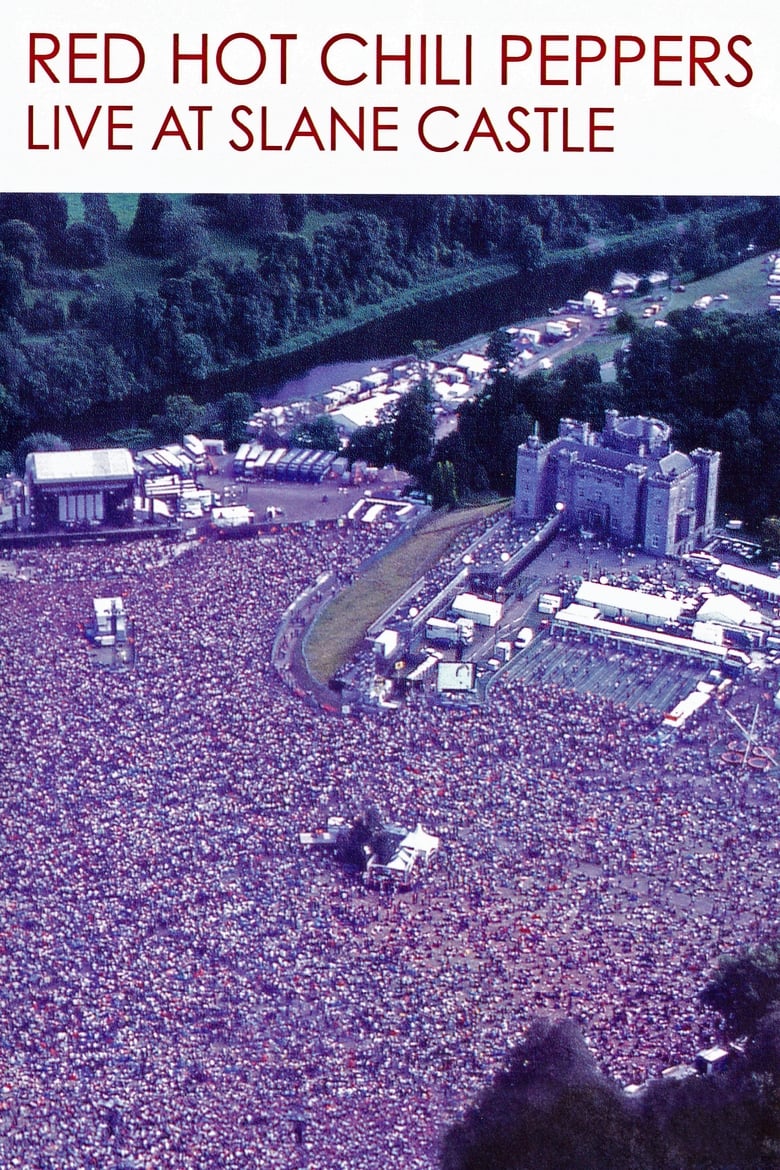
(340, 629)
(744, 285)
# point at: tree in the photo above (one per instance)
(148, 232)
(770, 537)
(719, 1122)
(699, 253)
(549, 1108)
(86, 245)
(257, 215)
(413, 430)
(320, 433)
(158, 230)
(45, 211)
(764, 1050)
(528, 247)
(21, 240)
(186, 240)
(45, 315)
(182, 417)
(491, 427)
(191, 357)
(626, 322)
(444, 485)
(11, 290)
(742, 456)
(372, 445)
(235, 409)
(744, 987)
(295, 207)
(500, 349)
(135, 438)
(67, 376)
(424, 348)
(98, 213)
(12, 413)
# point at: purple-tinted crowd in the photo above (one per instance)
(183, 988)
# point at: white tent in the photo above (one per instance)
(648, 608)
(726, 609)
(417, 847)
(748, 579)
(474, 365)
(424, 844)
(352, 415)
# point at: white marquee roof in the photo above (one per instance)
(750, 579)
(629, 600)
(726, 608)
(52, 467)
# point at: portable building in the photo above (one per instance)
(386, 643)
(481, 611)
(595, 302)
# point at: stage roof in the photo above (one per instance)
(48, 468)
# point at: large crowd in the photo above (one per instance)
(182, 988)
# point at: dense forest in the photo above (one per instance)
(550, 1106)
(101, 317)
(128, 328)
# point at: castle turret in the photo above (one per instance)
(708, 466)
(530, 479)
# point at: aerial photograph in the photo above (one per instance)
(389, 682)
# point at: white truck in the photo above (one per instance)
(549, 603)
(481, 611)
(453, 633)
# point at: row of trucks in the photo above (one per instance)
(301, 464)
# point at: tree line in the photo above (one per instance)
(551, 1106)
(101, 323)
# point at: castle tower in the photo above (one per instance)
(708, 467)
(530, 482)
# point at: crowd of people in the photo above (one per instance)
(183, 988)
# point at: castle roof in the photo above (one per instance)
(675, 463)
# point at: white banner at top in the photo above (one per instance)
(612, 98)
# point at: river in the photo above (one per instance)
(319, 379)
(449, 320)
(352, 354)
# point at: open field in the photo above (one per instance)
(744, 285)
(340, 629)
